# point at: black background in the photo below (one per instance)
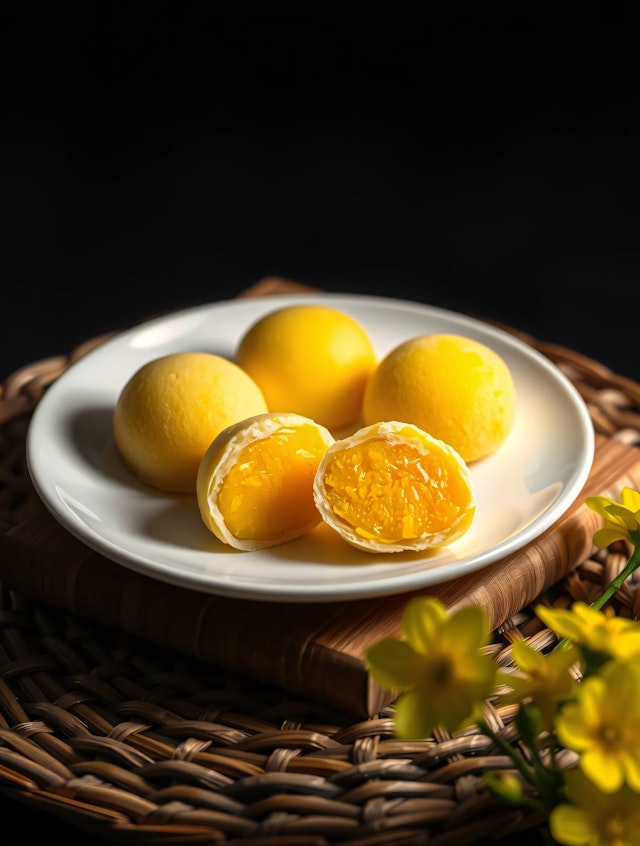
(479, 157)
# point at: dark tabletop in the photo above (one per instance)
(156, 156)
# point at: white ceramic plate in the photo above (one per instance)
(521, 489)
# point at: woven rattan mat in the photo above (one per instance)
(132, 742)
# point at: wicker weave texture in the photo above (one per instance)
(135, 744)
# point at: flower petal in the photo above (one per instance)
(630, 499)
(622, 516)
(394, 664)
(632, 771)
(414, 716)
(560, 620)
(602, 769)
(422, 621)
(526, 657)
(599, 504)
(608, 535)
(468, 629)
(570, 826)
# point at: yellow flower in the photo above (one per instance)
(437, 666)
(544, 679)
(622, 519)
(599, 632)
(603, 726)
(593, 818)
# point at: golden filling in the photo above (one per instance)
(269, 490)
(391, 491)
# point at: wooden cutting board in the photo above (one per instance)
(313, 649)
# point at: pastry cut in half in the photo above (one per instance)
(392, 487)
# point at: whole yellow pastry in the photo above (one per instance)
(172, 408)
(454, 387)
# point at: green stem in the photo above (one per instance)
(537, 776)
(615, 584)
(521, 765)
(632, 564)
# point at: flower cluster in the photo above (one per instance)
(578, 706)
